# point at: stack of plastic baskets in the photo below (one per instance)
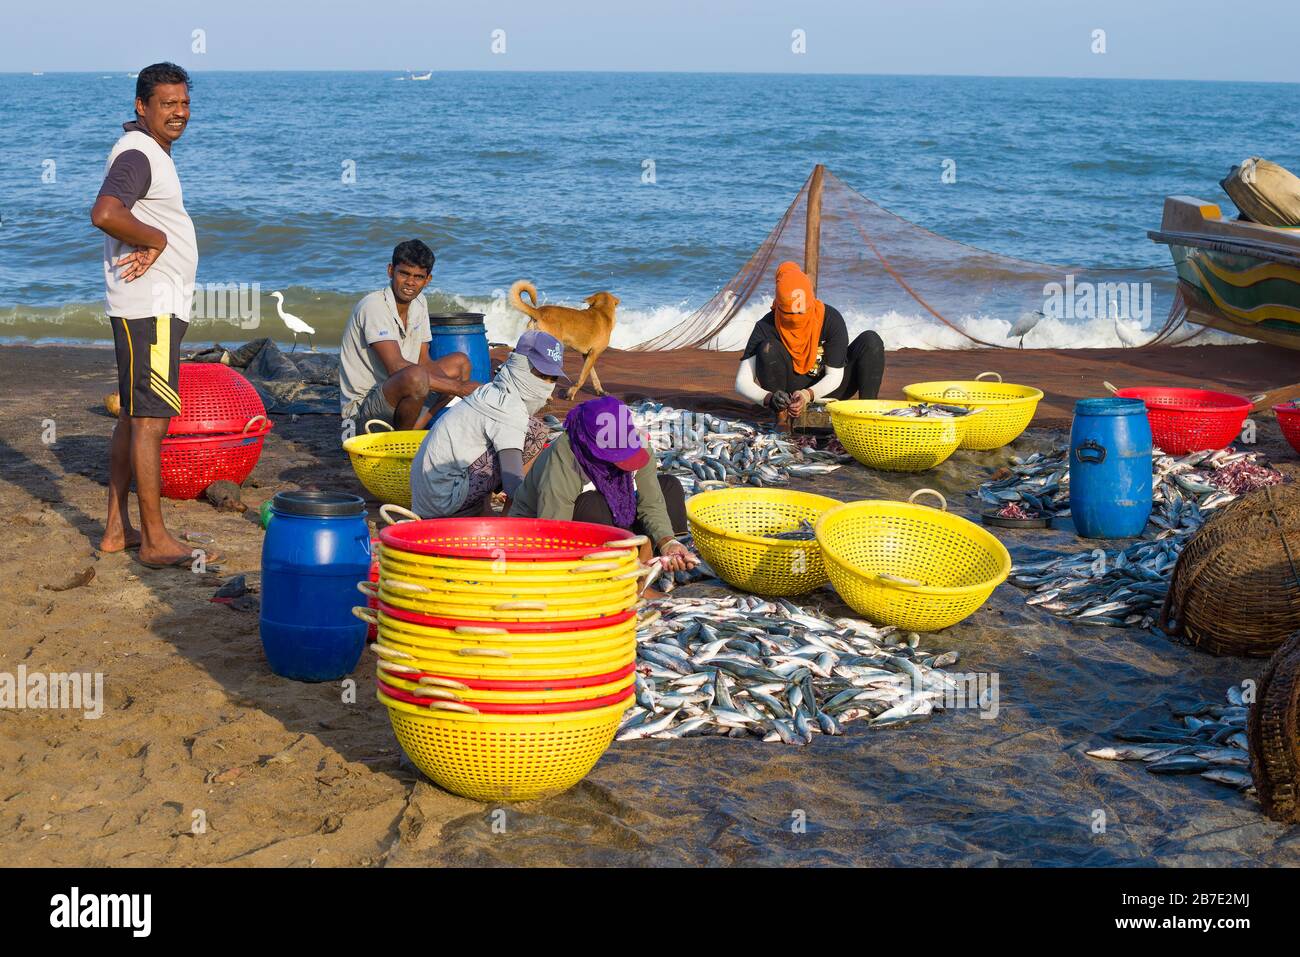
(218, 434)
(507, 649)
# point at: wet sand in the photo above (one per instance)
(195, 726)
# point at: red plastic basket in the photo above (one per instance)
(1288, 417)
(529, 707)
(1191, 420)
(535, 627)
(523, 539)
(192, 463)
(214, 398)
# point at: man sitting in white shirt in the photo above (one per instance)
(385, 371)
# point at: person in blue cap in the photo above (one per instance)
(485, 443)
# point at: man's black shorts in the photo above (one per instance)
(148, 364)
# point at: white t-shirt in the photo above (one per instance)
(167, 288)
(375, 320)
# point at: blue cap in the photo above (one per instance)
(545, 352)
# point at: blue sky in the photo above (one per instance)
(1162, 39)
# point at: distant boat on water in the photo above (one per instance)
(415, 76)
(132, 76)
(37, 73)
(1237, 276)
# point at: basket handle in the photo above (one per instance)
(1110, 388)
(531, 604)
(397, 669)
(605, 567)
(249, 424)
(368, 615)
(436, 694)
(943, 507)
(955, 389)
(383, 651)
(479, 630)
(368, 588)
(603, 555)
(636, 541)
(453, 706)
(443, 682)
(411, 588)
(983, 374)
(370, 422)
(483, 652)
(899, 580)
(388, 510)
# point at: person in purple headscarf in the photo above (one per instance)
(602, 470)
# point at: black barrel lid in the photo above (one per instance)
(319, 504)
(456, 318)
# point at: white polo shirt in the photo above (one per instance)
(374, 320)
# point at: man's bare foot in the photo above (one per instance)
(168, 551)
(119, 541)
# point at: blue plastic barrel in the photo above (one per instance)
(1110, 468)
(462, 332)
(316, 549)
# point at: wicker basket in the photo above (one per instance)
(1236, 587)
(1274, 735)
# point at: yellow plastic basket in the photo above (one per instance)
(382, 461)
(484, 661)
(603, 565)
(499, 757)
(544, 696)
(728, 526)
(908, 565)
(893, 443)
(494, 633)
(495, 608)
(604, 641)
(1008, 409)
(507, 587)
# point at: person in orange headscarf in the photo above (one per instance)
(800, 352)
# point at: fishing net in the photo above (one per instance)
(1236, 587)
(897, 276)
(1273, 731)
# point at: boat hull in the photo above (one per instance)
(1238, 277)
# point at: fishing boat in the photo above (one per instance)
(1237, 276)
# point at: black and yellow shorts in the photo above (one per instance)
(148, 364)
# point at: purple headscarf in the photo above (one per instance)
(602, 434)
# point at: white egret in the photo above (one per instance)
(295, 324)
(1026, 322)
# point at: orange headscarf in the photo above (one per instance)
(798, 314)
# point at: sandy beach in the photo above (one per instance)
(195, 727)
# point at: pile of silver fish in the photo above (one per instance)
(1196, 482)
(1128, 586)
(1209, 740)
(707, 451)
(929, 410)
(745, 667)
(803, 532)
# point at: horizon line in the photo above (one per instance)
(649, 72)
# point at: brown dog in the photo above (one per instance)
(586, 330)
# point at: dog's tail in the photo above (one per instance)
(517, 299)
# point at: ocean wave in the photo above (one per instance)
(328, 313)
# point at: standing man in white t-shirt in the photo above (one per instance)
(151, 258)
